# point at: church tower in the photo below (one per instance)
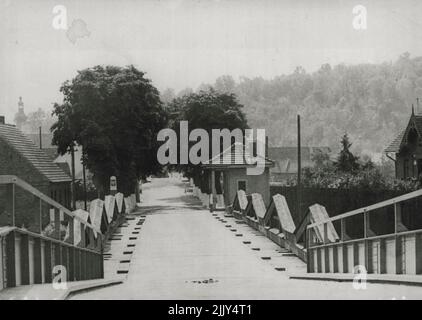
(20, 117)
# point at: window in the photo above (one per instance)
(406, 168)
(241, 185)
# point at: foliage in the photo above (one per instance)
(207, 110)
(372, 102)
(37, 119)
(346, 161)
(349, 173)
(363, 180)
(115, 114)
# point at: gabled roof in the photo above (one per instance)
(37, 157)
(46, 139)
(395, 144)
(234, 156)
(414, 121)
(289, 166)
(284, 153)
(285, 158)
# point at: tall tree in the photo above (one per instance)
(207, 110)
(115, 114)
(346, 161)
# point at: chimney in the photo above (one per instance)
(2, 121)
(417, 106)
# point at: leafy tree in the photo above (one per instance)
(369, 101)
(346, 161)
(39, 118)
(115, 114)
(207, 110)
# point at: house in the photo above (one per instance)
(43, 140)
(228, 172)
(21, 157)
(285, 161)
(406, 149)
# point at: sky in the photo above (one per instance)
(184, 43)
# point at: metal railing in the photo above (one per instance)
(387, 238)
(37, 234)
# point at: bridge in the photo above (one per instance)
(172, 247)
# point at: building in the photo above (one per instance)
(406, 149)
(39, 133)
(20, 117)
(21, 157)
(285, 161)
(228, 172)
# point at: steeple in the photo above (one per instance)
(20, 117)
(20, 104)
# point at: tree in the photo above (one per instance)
(115, 114)
(346, 161)
(39, 119)
(207, 110)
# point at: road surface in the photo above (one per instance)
(183, 252)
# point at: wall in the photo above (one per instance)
(255, 184)
(27, 207)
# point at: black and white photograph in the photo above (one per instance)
(218, 152)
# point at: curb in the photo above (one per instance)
(404, 282)
(87, 287)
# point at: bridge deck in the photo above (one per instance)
(184, 252)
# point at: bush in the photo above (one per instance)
(365, 179)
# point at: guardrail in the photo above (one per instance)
(389, 241)
(37, 234)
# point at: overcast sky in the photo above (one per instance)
(184, 43)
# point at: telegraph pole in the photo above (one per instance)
(40, 138)
(72, 153)
(299, 171)
(84, 177)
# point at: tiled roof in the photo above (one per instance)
(289, 166)
(396, 143)
(284, 153)
(233, 156)
(286, 157)
(46, 139)
(37, 157)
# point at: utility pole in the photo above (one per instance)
(85, 196)
(40, 137)
(299, 171)
(72, 153)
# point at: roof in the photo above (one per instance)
(414, 121)
(285, 158)
(37, 157)
(46, 139)
(283, 153)
(234, 156)
(289, 166)
(395, 144)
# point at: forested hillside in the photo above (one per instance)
(371, 102)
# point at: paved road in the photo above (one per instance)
(183, 252)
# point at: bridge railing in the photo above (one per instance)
(386, 238)
(38, 236)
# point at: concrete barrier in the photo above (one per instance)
(98, 215)
(318, 214)
(120, 203)
(109, 205)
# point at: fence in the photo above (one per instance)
(337, 201)
(42, 234)
(396, 250)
